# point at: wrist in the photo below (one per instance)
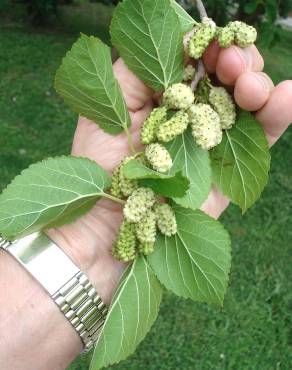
(88, 242)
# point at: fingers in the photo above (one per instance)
(230, 63)
(135, 92)
(252, 90)
(276, 115)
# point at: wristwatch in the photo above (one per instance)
(66, 284)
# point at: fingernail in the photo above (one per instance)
(244, 55)
(264, 80)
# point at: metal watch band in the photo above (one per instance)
(67, 285)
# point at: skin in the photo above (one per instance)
(26, 310)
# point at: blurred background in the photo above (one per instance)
(251, 331)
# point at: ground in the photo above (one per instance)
(251, 331)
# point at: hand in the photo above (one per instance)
(89, 240)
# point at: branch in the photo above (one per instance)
(201, 9)
(201, 72)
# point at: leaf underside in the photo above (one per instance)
(50, 193)
(87, 84)
(175, 185)
(187, 22)
(195, 263)
(195, 164)
(148, 36)
(241, 163)
(133, 311)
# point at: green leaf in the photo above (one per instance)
(241, 162)
(133, 311)
(149, 38)
(187, 22)
(50, 193)
(195, 263)
(175, 185)
(86, 82)
(194, 163)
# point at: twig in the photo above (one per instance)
(201, 9)
(201, 72)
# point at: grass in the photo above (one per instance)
(251, 331)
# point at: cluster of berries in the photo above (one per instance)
(143, 215)
(238, 33)
(207, 111)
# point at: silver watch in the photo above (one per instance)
(66, 284)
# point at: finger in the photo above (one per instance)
(135, 92)
(276, 115)
(210, 57)
(252, 90)
(234, 61)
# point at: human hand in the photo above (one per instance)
(89, 240)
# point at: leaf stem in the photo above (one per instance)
(114, 199)
(130, 140)
(201, 9)
(201, 72)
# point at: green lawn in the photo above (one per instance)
(251, 332)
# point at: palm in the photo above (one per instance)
(95, 233)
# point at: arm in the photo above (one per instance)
(33, 333)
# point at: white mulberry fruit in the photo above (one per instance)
(115, 189)
(200, 40)
(245, 35)
(189, 73)
(158, 157)
(148, 131)
(173, 127)
(124, 248)
(178, 96)
(146, 228)
(166, 220)
(127, 186)
(138, 204)
(146, 248)
(224, 105)
(225, 36)
(206, 127)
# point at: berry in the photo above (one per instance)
(146, 228)
(127, 186)
(148, 132)
(178, 96)
(146, 248)
(115, 189)
(166, 220)
(158, 157)
(124, 248)
(189, 73)
(223, 104)
(206, 127)
(173, 127)
(245, 35)
(225, 36)
(200, 40)
(137, 205)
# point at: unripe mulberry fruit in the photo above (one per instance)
(166, 220)
(223, 104)
(115, 189)
(124, 248)
(148, 131)
(178, 96)
(200, 40)
(127, 186)
(146, 228)
(245, 35)
(206, 127)
(173, 127)
(225, 37)
(146, 248)
(158, 157)
(189, 73)
(138, 204)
